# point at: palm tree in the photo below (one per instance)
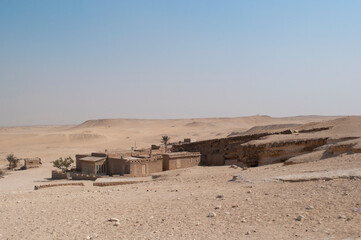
(165, 141)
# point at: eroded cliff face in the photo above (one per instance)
(309, 142)
(347, 147)
(215, 152)
(275, 152)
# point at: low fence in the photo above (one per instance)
(37, 187)
(79, 176)
(105, 184)
(59, 175)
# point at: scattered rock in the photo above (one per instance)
(234, 206)
(212, 214)
(243, 220)
(220, 196)
(341, 217)
(113, 220)
(309, 207)
(117, 224)
(248, 233)
(218, 207)
(300, 218)
(234, 166)
(236, 178)
(314, 230)
(249, 191)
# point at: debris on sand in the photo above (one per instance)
(212, 214)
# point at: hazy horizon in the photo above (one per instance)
(65, 62)
(165, 119)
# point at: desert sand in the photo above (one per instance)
(318, 198)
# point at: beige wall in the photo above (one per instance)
(156, 165)
(142, 168)
(181, 161)
(90, 167)
(116, 166)
(78, 162)
(31, 163)
(138, 169)
(59, 175)
(79, 176)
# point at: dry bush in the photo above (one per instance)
(13, 161)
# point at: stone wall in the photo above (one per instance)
(32, 162)
(137, 169)
(55, 174)
(79, 176)
(178, 160)
(155, 164)
(78, 162)
(143, 167)
(116, 166)
(37, 187)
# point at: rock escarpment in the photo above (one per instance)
(275, 152)
(309, 142)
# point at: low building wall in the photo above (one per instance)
(116, 166)
(138, 169)
(79, 176)
(142, 167)
(32, 162)
(156, 165)
(37, 187)
(178, 160)
(78, 162)
(59, 175)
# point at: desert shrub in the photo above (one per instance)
(13, 161)
(1, 173)
(63, 164)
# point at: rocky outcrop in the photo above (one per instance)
(237, 149)
(314, 130)
(346, 147)
(214, 152)
(307, 157)
(274, 152)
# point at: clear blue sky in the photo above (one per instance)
(64, 62)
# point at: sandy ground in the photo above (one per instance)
(176, 204)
